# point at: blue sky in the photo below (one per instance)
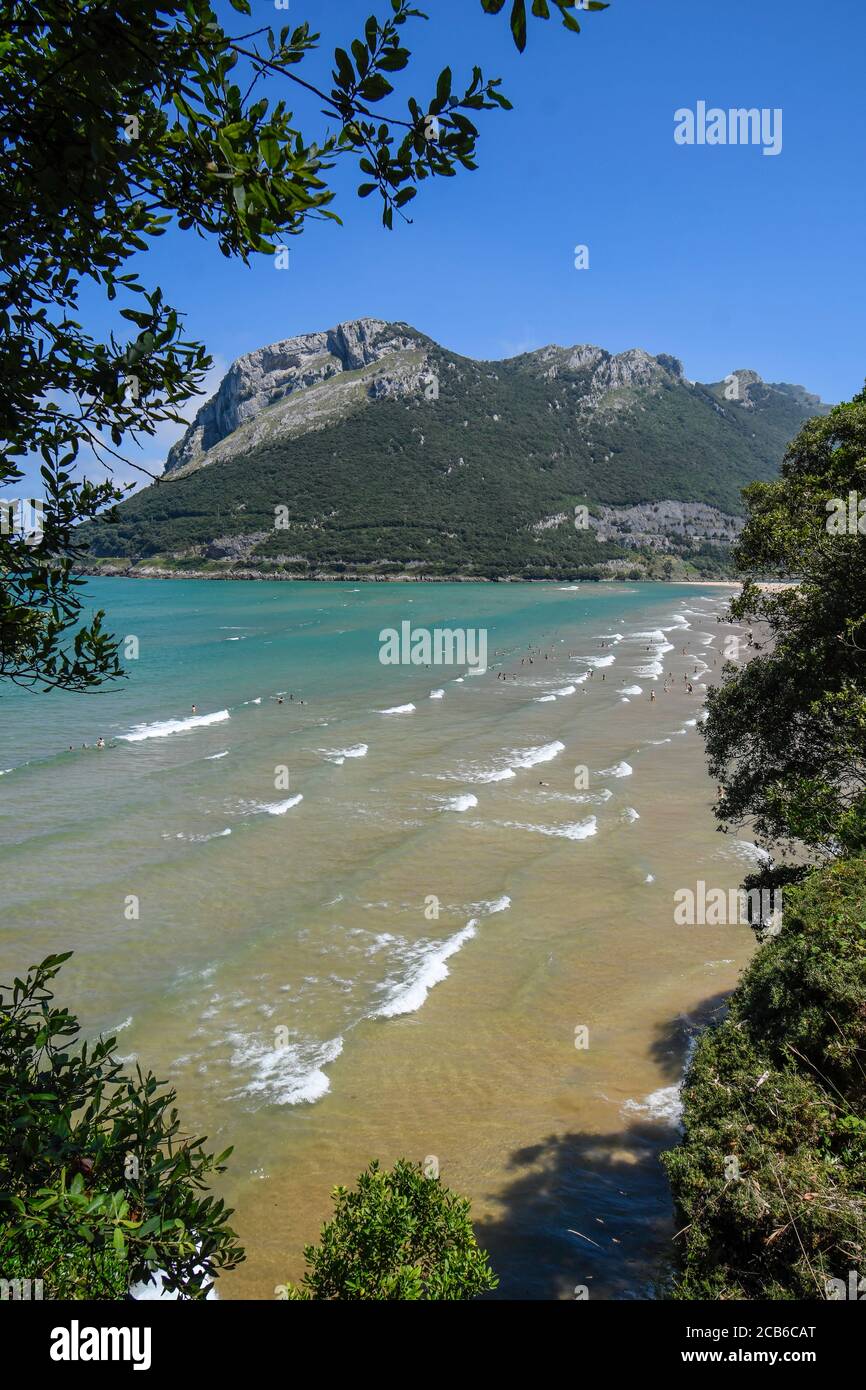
(720, 255)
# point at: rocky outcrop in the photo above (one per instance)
(263, 379)
(662, 525)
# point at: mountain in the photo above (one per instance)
(370, 450)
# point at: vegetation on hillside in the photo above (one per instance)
(458, 485)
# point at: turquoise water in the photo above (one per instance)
(343, 932)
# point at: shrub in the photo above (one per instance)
(98, 1188)
(400, 1235)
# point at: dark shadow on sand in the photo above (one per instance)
(593, 1211)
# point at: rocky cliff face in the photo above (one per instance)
(314, 379)
(268, 377)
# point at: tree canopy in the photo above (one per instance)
(119, 118)
(786, 733)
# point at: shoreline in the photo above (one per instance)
(255, 575)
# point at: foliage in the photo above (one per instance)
(117, 120)
(780, 1087)
(98, 1187)
(786, 733)
(399, 1235)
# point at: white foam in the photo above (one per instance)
(599, 661)
(407, 996)
(650, 878)
(752, 854)
(566, 690)
(491, 905)
(543, 699)
(339, 755)
(286, 1075)
(531, 757)
(665, 1104)
(278, 808)
(212, 757)
(398, 709)
(460, 803)
(578, 830)
(162, 728)
(428, 969)
(621, 769)
(199, 839)
(437, 694)
(630, 690)
(630, 815)
(651, 671)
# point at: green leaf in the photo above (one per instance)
(518, 24)
(269, 149)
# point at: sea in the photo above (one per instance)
(353, 908)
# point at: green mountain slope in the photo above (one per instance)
(372, 450)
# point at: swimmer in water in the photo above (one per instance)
(100, 742)
(194, 710)
(279, 699)
(652, 696)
